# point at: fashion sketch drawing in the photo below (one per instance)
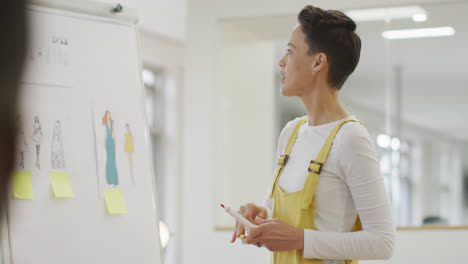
(22, 144)
(37, 139)
(111, 166)
(57, 156)
(129, 148)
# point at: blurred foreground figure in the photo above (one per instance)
(12, 49)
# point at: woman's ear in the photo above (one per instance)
(320, 62)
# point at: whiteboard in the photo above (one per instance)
(78, 66)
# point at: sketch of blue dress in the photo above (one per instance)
(111, 167)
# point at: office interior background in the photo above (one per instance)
(211, 79)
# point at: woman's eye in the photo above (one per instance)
(288, 51)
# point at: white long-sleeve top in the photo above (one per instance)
(350, 183)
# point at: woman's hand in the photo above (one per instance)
(250, 211)
(275, 235)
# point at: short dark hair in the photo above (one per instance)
(332, 32)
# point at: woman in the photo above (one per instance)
(111, 167)
(328, 178)
(37, 139)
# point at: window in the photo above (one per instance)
(395, 163)
(153, 81)
(163, 103)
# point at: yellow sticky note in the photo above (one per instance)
(22, 185)
(115, 203)
(60, 182)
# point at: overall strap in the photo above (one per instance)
(315, 166)
(283, 159)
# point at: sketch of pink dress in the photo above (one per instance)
(57, 158)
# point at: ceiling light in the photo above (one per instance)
(419, 17)
(383, 14)
(419, 33)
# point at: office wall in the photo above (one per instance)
(244, 127)
(161, 52)
(205, 151)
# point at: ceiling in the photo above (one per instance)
(168, 18)
(434, 74)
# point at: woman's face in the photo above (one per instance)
(297, 65)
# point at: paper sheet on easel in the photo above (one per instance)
(114, 201)
(60, 183)
(22, 185)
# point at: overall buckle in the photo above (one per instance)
(313, 164)
(283, 159)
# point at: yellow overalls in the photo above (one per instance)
(298, 208)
